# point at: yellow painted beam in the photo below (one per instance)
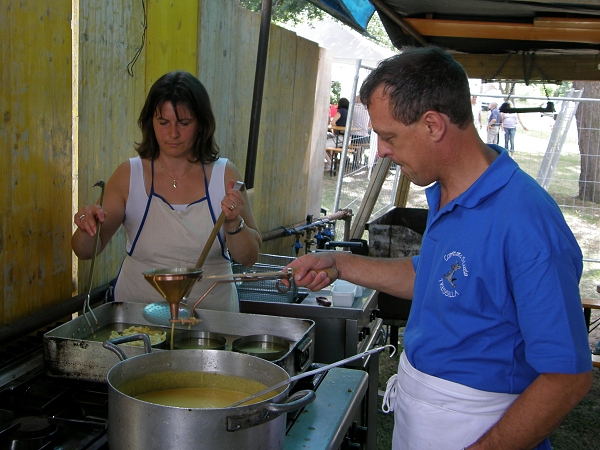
(501, 30)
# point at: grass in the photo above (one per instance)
(579, 431)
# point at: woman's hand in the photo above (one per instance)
(87, 217)
(233, 202)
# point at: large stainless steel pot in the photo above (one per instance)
(137, 424)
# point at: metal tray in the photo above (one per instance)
(72, 350)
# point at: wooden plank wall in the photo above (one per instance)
(35, 167)
(66, 126)
(314, 174)
(227, 63)
(170, 38)
(108, 105)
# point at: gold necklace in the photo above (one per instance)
(170, 176)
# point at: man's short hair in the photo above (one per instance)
(422, 79)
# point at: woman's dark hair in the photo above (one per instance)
(420, 80)
(343, 103)
(179, 88)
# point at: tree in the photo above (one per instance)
(336, 89)
(588, 120)
(287, 11)
(506, 87)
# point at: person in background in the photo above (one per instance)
(509, 126)
(493, 125)
(476, 108)
(496, 350)
(332, 110)
(361, 128)
(169, 197)
(339, 119)
(361, 123)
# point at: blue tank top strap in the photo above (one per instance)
(216, 190)
(130, 252)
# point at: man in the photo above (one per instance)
(495, 349)
(494, 123)
(361, 129)
(361, 123)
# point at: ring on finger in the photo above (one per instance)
(232, 207)
(81, 216)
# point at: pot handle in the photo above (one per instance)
(302, 355)
(269, 411)
(111, 344)
(296, 401)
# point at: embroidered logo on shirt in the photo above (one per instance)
(449, 279)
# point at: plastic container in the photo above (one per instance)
(358, 292)
(342, 294)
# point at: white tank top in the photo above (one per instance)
(160, 236)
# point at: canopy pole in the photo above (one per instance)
(259, 83)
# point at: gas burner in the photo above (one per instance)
(31, 433)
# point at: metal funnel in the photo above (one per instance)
(173, 284)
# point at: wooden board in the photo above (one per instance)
(35, 168)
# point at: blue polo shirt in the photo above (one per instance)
(496, 297)
(495, 114)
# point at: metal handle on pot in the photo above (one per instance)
(314, 372)
(296, 401)
(111, 344)
(302, 354)
(270, 411)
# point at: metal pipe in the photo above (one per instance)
(347, 137)
(259, 83)
(46, 316)
(342, 214)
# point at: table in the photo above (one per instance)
(333, 153)
(323, 423)
(340, 133)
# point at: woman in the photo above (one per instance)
(169, 197)
(339, 118)
(509, 126)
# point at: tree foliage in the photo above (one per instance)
(287, 11)
(294, 12)
(336, 91)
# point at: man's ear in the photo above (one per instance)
(435, 124)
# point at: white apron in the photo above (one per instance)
(169, 238)
(432, 413)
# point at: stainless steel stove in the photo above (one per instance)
(38, 411)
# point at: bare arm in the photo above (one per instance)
(537, 412)
(111, 215)
(394, 276)
(519, 117)
(335, 118)
(244, 245)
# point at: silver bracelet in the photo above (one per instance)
(238, 229)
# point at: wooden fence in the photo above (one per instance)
(70, 106)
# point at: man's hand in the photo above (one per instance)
(309, 270)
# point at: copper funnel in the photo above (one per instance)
(173, 284)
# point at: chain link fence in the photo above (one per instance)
(550, 150)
